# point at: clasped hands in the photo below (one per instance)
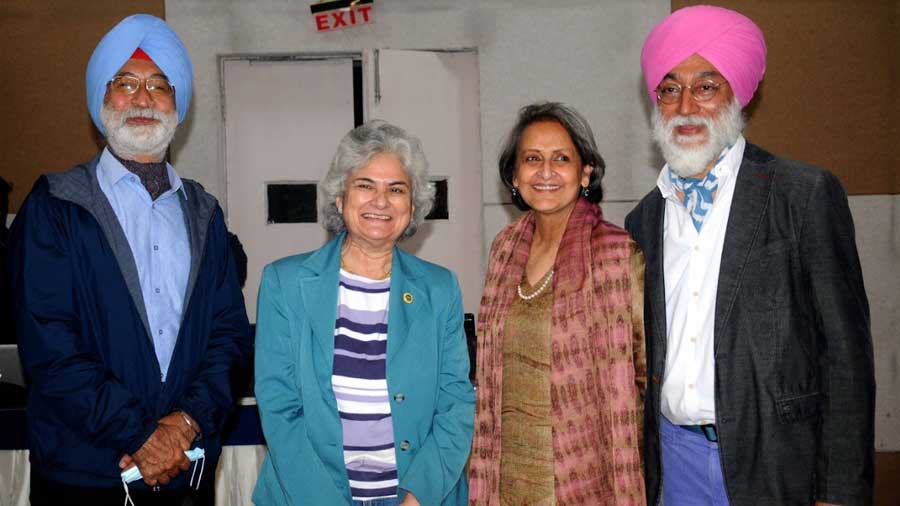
(162, 456)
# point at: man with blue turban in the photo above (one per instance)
(130, 319)
(759, 349)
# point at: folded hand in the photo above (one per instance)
(162, 456)
(182, 427)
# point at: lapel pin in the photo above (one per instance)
(407, 298)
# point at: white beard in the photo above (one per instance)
(687, 161)
(131, 142)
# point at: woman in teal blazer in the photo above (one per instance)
(376, 193)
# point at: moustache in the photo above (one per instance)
(690, 120)
(140, 113)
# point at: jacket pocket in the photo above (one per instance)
(796, 408)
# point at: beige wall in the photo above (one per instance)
(829, 94)
(44, 49)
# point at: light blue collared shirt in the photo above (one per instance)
(158, 236)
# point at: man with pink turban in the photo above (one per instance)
(759, 350)
(130, 320)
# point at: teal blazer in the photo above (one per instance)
(432, 400)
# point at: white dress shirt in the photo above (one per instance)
(691, 265)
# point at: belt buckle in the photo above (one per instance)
(709, 431)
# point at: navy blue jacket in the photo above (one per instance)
(83, 334)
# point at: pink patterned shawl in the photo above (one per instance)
(598, 372)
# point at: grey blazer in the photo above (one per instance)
(794, 375)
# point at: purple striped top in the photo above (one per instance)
(360, 386)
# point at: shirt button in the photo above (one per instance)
(399, 397)
(160, 331)
(691, 386)
(157, 290)
(404, 445)
(696, 294)
(155, 247)
(694, 340)
(696, 248)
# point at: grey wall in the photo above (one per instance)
(582, 52)
(877, 220)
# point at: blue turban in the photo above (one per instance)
(155, 38)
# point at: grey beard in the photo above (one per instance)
(133, 142)
(722, 131)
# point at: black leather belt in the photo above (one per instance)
(708, 431)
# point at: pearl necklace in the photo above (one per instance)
(537, 292)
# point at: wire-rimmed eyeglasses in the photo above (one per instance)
(155, 85)
(669, 92)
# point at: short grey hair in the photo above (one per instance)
(355, 151)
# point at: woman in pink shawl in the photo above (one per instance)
(560, 367)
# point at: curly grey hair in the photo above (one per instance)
(356, 149)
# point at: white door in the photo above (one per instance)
(435, 96)
(283, 121)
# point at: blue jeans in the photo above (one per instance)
(385, 501)
(692, 474)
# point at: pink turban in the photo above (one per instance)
(727, 39)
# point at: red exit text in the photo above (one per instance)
(343, 18)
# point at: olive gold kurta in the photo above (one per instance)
(526, 465)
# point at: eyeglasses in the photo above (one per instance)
(669, 92)
(155, 85)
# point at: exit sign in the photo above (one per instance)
(335, 14)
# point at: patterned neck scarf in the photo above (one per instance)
(154, 176)
(698, 193)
